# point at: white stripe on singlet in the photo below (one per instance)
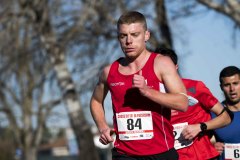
(162, 89)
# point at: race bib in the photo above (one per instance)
(179, 141)
(135, 125)
(232, 151)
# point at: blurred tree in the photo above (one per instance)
(23, 87)
(6, 149)
(229, 8)
(225, 9)
(25, 71)
(7, 144)
(163, 25)
(46, 29)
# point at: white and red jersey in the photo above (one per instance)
(201, 148)
(132, 111)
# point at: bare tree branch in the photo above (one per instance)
(229, 8)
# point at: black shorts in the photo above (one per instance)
(169, 155)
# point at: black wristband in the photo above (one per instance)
(203, 127)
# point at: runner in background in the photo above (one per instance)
(228, 138)
(192, 128)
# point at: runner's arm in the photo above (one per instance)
(175, 98)
(221, 120)
(97, 107)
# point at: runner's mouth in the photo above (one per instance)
(234, 95)
(129, 49)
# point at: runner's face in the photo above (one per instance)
(132, 38)
(231, 88)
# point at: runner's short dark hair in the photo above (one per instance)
(228, 71)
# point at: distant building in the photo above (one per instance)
(59, 147)
(66, 148)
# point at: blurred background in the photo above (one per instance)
(51, 53)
